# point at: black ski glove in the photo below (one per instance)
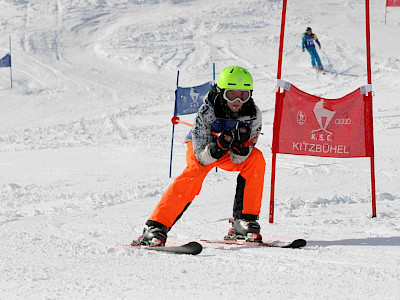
(240, 149)
(242, 136)
(242, 133)
(223, 144)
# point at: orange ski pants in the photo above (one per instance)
(187, 186)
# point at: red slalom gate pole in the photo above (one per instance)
(278, 76)
(282, 36)
(369, 75)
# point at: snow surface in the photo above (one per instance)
(85, 136)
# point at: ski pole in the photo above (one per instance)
(175, 120)
(297, 59)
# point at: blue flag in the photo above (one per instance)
(188, 100)
(5, 61)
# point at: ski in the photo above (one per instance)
(325, 71)
(299, 243)
(192, 248)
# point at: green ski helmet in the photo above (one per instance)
(235, 78)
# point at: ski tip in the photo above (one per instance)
(196, 247)
(297, 244)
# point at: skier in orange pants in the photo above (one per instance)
(224, 135)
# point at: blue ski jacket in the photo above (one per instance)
(308, 41)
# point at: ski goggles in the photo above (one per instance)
(233, 95)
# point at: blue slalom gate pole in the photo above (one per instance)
(216, 169)
(9, 40)
(173, 128)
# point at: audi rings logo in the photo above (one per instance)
(301, 117)
(343, 121)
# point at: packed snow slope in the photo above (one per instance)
(85, 144)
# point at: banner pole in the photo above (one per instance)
(278, 76)
(369, 75)
(368, 39)
(173, 127)
(9, 41)
(282, 36)
(216, 168)
(385, 13)
(272, 195)
(214, 73)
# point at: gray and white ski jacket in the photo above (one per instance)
(202, 137)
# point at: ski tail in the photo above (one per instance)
(192, 248)
(299, 243)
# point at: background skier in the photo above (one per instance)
(226, 129)
(308, 43)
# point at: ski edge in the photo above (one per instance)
(295, 244)
(191, 248)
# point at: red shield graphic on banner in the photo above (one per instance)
(310, 125)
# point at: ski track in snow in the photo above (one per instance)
(85, 145)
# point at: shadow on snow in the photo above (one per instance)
(379, 241)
